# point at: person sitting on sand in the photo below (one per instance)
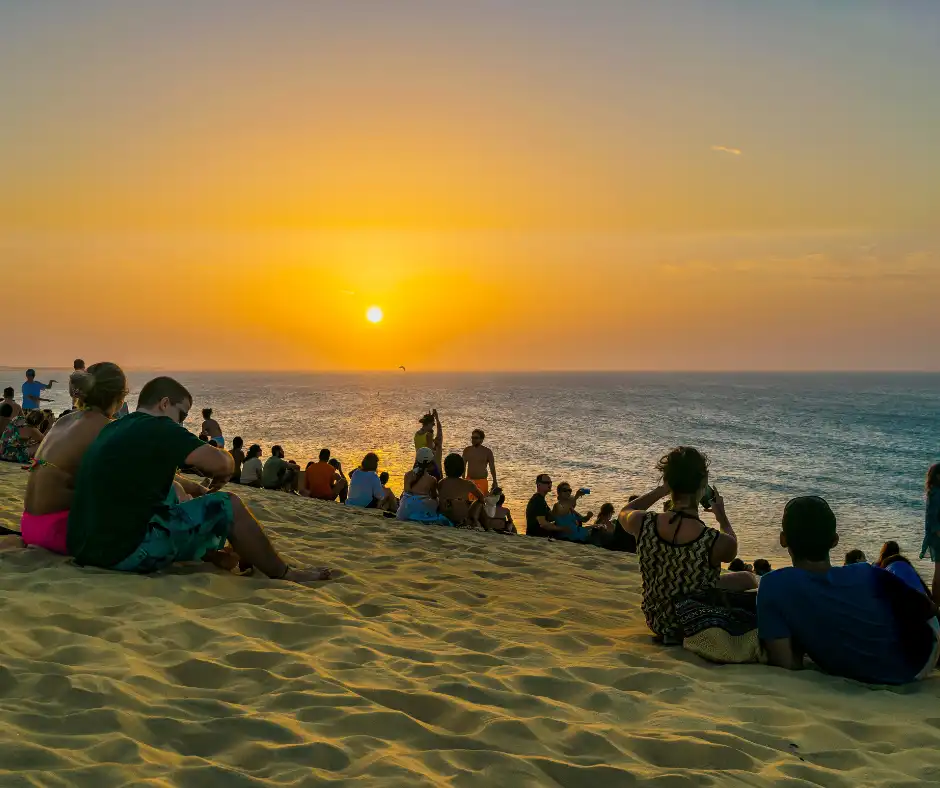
(419, 497)
(900, 566)
(126, 515)
(32, 391)
(365, 488)
(212, 429)
(278, 473)
(325, 480)
(856, 621)
(431, 436)
(480, 460)
(459, 499)
(538, 516)
(931, 543)
(8, 394)
(679, 555)
(6, 416)
(738, 565)
(22, 437)
(98, 392)
(500, 518)
(238, 457)
(854, 557)
(390, 499)
(762, 567)
(252, 468)
(568, 518)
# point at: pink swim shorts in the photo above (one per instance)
(46, 530)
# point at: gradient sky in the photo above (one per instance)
(687, 184)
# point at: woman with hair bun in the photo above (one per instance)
(99, 391)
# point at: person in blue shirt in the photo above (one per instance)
(857, 621)
(32, 389)
(898, 565)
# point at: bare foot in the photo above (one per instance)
(308, 575)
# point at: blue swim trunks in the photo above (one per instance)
(182, 532)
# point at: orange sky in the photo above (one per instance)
(518, 186)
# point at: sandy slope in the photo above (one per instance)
(439, 658)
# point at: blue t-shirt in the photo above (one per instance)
(837, 618)
(31, 392)
(908, 574)
(364, 488)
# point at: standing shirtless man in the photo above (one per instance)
(479, 459)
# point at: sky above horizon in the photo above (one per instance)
(698, 184)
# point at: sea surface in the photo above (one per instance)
(863, 441)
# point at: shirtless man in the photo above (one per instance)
(479, 459)
(15, 408)
(454, 493)
(431, 436)
(212, 429)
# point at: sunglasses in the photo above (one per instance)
(183, 414)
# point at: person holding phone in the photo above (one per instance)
(678, 553)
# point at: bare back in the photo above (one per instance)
(211, 428)
(426, 485)
(454, 496)
(51, 483)
(478, 459)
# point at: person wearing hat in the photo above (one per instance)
(431, 438)
(32, 389)
(858, 621)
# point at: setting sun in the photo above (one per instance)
(374, 314)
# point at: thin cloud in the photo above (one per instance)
(723, 149)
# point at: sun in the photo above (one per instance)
(374, 314)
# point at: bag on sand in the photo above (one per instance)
(720, 626)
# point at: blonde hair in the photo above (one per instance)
(101, 386)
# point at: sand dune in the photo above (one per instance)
(438, 658)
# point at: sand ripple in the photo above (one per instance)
(438, 658)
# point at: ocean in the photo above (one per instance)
(863, 441)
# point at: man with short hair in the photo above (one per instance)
(126, 514)
(278, 473)
(857, 621)
(325, 480)
(32, 389)
(538, 514)
(78, 365)
(479, 459)
(8, 394)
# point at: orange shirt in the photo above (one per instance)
(320, 477)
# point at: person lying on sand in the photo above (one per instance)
(460, 500)
(857, 621)
(678, 553)
(126, 515)
(98, 393)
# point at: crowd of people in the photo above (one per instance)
(105, 487)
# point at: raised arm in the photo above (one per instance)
(726, 547)
(438, 432)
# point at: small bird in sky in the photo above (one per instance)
(403, 369)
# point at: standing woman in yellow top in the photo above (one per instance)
(431, 436)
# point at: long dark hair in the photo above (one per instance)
(933, 478)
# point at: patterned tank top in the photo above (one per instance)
(672, 570)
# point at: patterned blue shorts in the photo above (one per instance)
(182, 532)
